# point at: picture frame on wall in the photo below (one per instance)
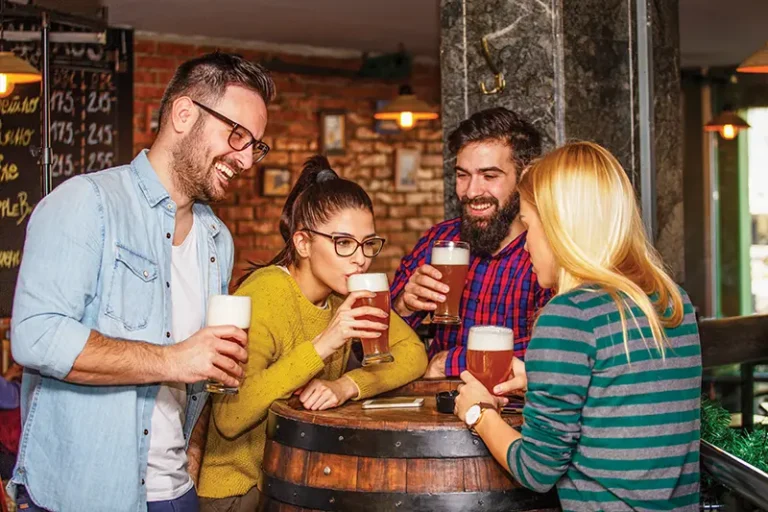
(333, 133)
(407, 162)
(275, 182)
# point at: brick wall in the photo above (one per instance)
(293, 133)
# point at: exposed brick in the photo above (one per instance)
(382, 172)
(419, 223)
(403, 211)
(387, 198)
(433, 211)
(366, 133)
(144, 46)
(277, 158)
(177, 50)
(144, 62)
(432, 161)
(417, 198)
(291, 144)
(293, 134)
(431, 185)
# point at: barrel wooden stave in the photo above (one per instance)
(305, 478)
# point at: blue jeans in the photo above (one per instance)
(186, 503)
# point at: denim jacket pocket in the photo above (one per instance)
(131, 293)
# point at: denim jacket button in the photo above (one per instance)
(146, 432)
(167, 334)
(194, 399)
(213, 259)
(146, 274)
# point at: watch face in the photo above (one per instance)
(473, 414)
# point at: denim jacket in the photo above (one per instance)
(98, 256)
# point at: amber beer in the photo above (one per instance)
(452, 260)
(375, 350)
(227, 310)
(490, 350)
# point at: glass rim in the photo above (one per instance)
(451, 243)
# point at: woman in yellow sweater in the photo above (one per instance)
(300, 333)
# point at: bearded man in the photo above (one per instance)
(108, 316)
(492, 148)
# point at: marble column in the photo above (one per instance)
(572, 68)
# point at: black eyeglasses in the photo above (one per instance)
(240, 137)
(346, 246)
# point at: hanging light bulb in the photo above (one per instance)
(13, 70)
(406, 110)
(727, 123)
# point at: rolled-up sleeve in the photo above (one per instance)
(58, 278)
(559, 368)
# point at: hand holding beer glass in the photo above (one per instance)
(490, 351)
(227, 310)
(451, 259)
(375, 350)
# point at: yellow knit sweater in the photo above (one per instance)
(282, 359)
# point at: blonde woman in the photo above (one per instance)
(613, 369)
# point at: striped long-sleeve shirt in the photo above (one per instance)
(500, 290)
(612, 436)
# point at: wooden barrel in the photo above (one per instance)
(385, 459)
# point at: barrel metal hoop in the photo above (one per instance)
(276, 490)
(389, 444)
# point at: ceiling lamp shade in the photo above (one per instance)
(406, 110)
(728, 123)
(14, 70)
(755, 63)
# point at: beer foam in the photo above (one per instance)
(368, 282)
(450, 256)
(490, 338)
(229, 310)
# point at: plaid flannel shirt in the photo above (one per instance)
(501, 290)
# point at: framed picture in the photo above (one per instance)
(275, 182)
(407, 163)
(333, 135)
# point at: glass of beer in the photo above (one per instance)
(452, 260)
(227, 310)
(490, 350)
(375, 350)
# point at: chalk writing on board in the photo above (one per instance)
(16, 207)
(10, 259)
(8, 171)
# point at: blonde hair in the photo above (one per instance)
(590, 216)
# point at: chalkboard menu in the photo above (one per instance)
(91, 129)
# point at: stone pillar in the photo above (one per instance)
(573, 68)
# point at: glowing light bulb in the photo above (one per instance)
(729, 131)
(6, 86)
(406, 120)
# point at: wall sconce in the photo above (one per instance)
(755, 63)
(728, 123)
(406, 110)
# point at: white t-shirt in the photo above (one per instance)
(167, 476)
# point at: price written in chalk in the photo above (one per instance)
(99, 134)
(62, 165)
(99, 160)
(8, 171)
(63, 102)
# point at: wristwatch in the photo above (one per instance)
(475, 414)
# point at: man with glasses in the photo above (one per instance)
(109, 308)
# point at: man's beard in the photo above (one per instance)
(192, 176)
(485, 235)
